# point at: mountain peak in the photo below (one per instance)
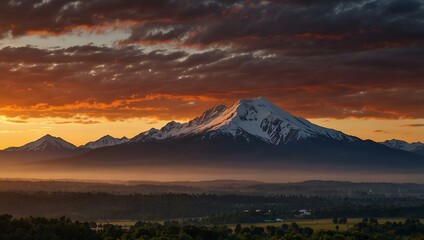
(263, 119)
(255, 117)
(47, 136)
(254, 100)
(264, 105)
(105, 141)
(45, 143)
(415, 147)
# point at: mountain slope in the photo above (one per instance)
(253, 139)
(105, 141)
(248, 117)
(44, 144)
(253, 133)
(415, 147)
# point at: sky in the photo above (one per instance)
(84, 69)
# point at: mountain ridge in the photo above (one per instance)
(105, 141)
(253, 136)
(257, 117)
(251, 129)
(414, 147)
(45, 143)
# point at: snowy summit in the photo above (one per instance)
(248, 117)
(105, 141)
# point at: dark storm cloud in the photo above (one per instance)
(328, 58)
(403, 6)
(20, 17)
(305, 26)
(295, 27)
(119, 83)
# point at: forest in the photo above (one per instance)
(66, 229)
(206, 208)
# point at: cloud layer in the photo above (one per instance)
(317, 59)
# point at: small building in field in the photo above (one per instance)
(303, 213)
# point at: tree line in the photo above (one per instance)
(218, 209)
(65, 229)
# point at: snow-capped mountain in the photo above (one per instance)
(247, 118)
(415, 147)
(44, 144)
(253, 136)
(105, 141)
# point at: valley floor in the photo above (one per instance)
(315, 224)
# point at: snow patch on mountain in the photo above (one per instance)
(46, 143)
(415, 147)
(257, 117)
(105, 141)
(175, 129)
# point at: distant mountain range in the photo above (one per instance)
(48, 143)
(252, 134)
(415, 147)
(105, 141)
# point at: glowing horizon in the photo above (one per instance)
(20, 134)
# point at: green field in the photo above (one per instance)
(319, 224)
(123, 223)
(315, 224)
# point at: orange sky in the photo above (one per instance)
(17, 134)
